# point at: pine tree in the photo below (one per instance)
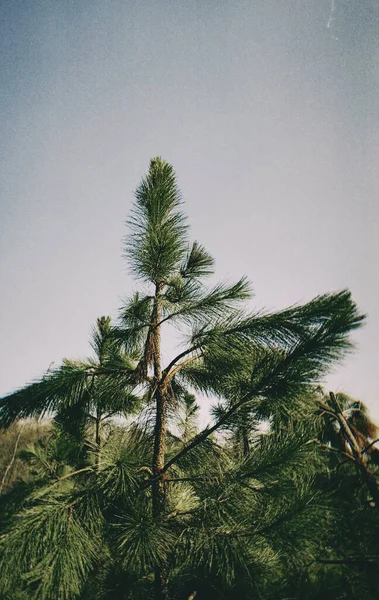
(198, 507)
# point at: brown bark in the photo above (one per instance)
(159, 453)
(160, 432)
(97, 431)
(98, 439)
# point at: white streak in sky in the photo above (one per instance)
(332, 11)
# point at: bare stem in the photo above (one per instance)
(13, 457)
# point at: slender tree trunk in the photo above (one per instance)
(246, 446)
(158, 488)
(98, 438)
(97, 432)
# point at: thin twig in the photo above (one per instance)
(72, 474)
(176, 359)
(12, 458)
(370, 446)
(326, 447)
(203, 435)
(349, 561)
(170, 374)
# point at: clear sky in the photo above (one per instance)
(268, 110)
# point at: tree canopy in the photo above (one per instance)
(126, 497)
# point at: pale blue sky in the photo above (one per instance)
(267, 109)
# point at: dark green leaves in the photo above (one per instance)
(61, 387)
(234, 513)
(142, 540)
(55, 551)
(158, 239)
(194, 305)
(198, 263)
(282, 352)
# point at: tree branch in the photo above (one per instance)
(370, 446)
(203, 435)
(327, 410)
(13, 457)
(170, 374)
(331, 449)
(72, 474)
(176, 359)
(349, 561)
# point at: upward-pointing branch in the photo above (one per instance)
(166, 372)
(203, 435)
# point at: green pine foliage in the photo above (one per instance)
(126, 497)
